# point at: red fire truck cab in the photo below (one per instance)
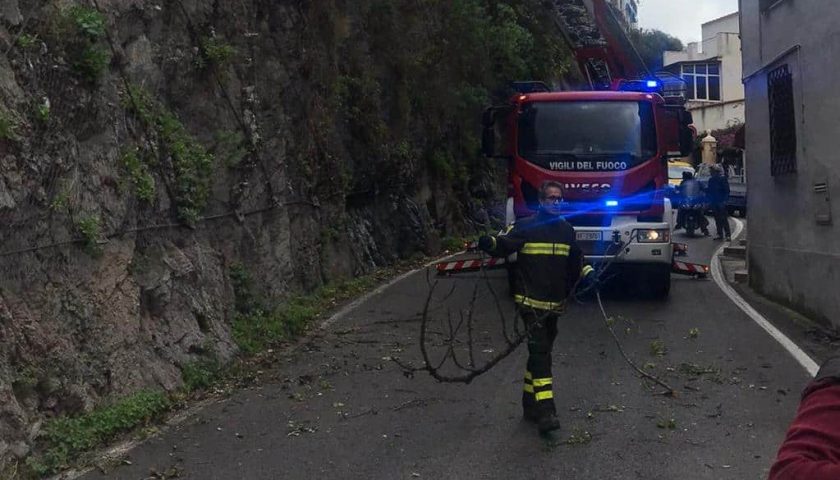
(609, 150)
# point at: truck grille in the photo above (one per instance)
(599, 248)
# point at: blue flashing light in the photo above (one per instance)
(612, 203)
(652, 83)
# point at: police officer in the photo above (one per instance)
(549, 264)
(717, 193)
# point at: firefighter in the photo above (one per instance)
(811, 450)
(549, 265)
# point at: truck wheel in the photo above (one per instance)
(689, 231)
(659, 283)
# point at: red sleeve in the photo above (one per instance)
(811, 450)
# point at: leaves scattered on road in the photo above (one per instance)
(658, 348)
(667, 424)
(696, 370)
(297, 429)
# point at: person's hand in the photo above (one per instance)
(589, 281)
(486, 243)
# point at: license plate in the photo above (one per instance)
(589, 236)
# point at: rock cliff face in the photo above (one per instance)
(148, 146)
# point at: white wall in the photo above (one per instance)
(716, 115)
(727, 24)
(729, 47)
(721, 42)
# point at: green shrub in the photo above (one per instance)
(42, 112)
(256, 327)
(92, 62)
(139, 175)
(453, 244)
(60, 201)
(192, 164)
(216, 52)
(245, 300)
(88, 21)
(90, 228)
(201, 374)
(8, 126)
(64, 438)
(441, 164)
(80, 30)
(27, 41)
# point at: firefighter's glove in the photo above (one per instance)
(588, 280)
(487, 243)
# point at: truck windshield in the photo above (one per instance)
(587, 136)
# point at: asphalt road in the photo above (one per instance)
(338, 408)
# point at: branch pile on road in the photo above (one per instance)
(455, 339)
(459, 347)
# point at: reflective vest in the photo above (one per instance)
(548, 263)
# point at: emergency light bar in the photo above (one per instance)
(645, 86)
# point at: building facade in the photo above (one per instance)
(712, 71)
(629, 11)
(792, 103)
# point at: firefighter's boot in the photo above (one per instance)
(538, 397)
(548, 423)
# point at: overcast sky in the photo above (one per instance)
(682, 18)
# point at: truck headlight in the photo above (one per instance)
(653, 236)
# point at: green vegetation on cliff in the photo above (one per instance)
(66, 437)
(316, 143)
(410, 101)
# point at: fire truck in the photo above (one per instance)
(607, 144)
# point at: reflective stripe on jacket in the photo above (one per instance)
(548, 263)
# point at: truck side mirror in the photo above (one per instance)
(493, 138)
(488, 118)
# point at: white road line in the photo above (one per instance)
(355, 303)
(717, 273)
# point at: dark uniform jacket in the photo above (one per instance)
(548, 263)
(717, 193)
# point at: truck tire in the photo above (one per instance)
(659, 283)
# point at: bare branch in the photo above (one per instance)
(670, 392)
(451, 338)
(498, 306)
